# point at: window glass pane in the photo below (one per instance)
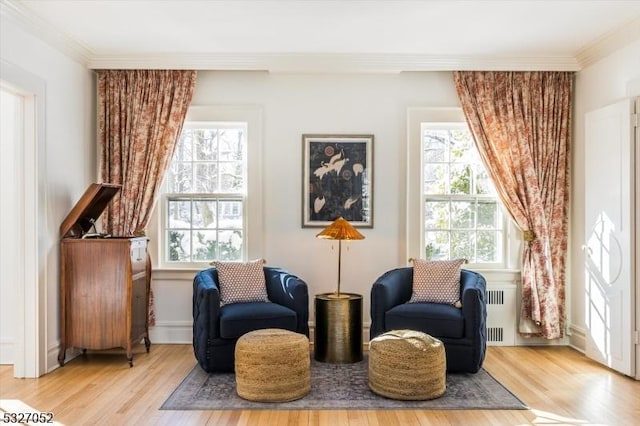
(460, 179)
(436, 179)
(232, 177)
(231, 144)
(179, 178)
(487, 246)
(488, 214)
(230, 214)
(206, 178)
(436, 214)
(204, 245)
(205, 144)
(204, 214)
(230, 245)
(435, 147)
(483, 183)
(179, 214)
(437, 245)
(179, 244)
(463, 245)
(184, 146)
(461, 144)
(462, 214)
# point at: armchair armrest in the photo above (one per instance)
(288, 290)
(391, 289)
(473, 288)
(474, 309)
(206, 308)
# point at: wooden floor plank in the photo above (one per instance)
(559, 384)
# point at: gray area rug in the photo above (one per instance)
(341, 386)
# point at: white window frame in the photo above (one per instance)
(252, 210)
(415, 195)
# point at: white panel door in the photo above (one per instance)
(609, 229)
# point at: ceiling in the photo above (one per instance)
(295, 35)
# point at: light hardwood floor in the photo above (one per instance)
(560, 385)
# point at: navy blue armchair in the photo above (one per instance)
(216, 328)
(463, 331)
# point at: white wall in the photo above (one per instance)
(609, 80)
(68, 140)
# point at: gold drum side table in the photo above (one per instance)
(338, 328)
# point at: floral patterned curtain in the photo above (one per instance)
(140, 117)
(521, 124)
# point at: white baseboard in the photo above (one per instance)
(167, 332)
(6, 351)
(578, 338)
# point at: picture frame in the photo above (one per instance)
(337, 179)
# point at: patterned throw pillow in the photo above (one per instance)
(436, 281)
(241, 281)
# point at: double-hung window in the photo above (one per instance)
(206, 189)
(453, 208)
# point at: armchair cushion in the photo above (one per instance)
(237, 319)
(241, 281)
(436, 281)
(437, 320)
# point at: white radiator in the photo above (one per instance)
(501, 316)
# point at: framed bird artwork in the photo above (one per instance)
(337, 179)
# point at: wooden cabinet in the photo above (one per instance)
(104, 288)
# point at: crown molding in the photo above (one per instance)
(44, 31)
(316, 62)
(331, 62)
(609, 43)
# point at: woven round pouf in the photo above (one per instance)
(407, 365)
(272, 365)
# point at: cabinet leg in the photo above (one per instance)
(147, 344)
(130, 359)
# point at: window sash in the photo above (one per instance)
(231, 232)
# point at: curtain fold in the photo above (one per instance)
(140, 117)
(521, 125)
